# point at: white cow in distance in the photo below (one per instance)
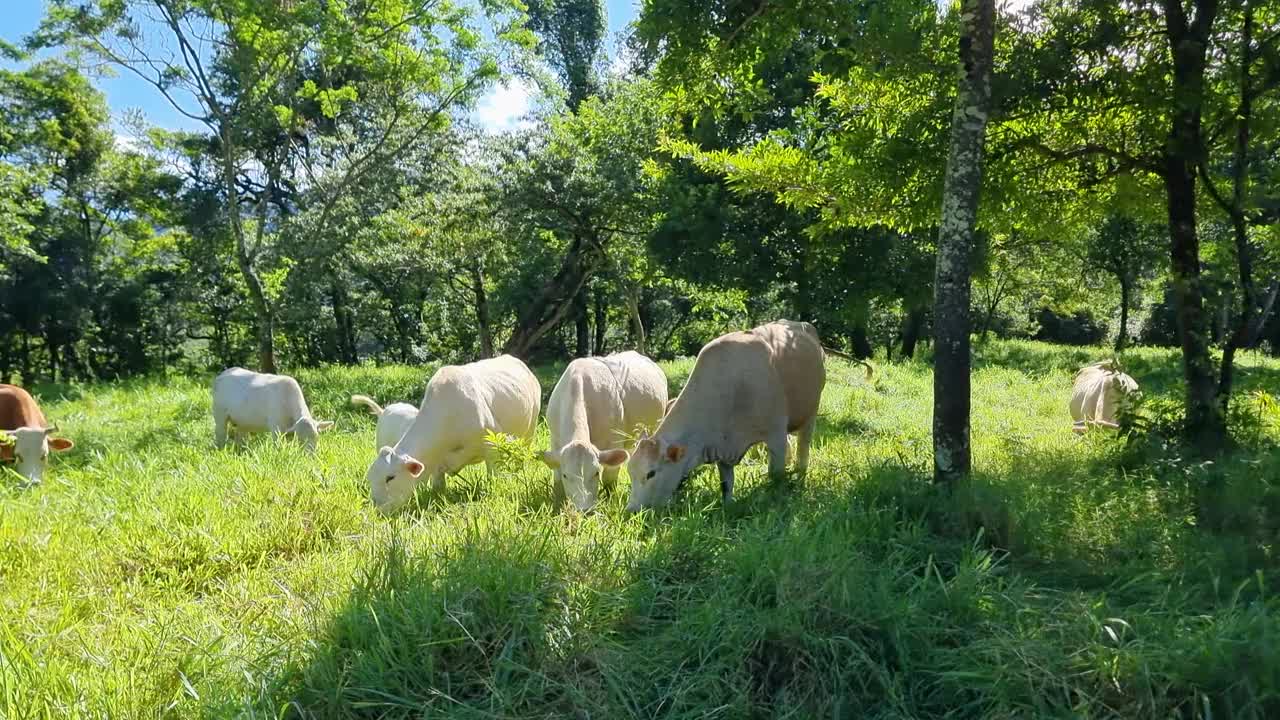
(746, 388)
(461, 404)
(393, 419)
(254, 402)
(594, 411)
(1101, 395)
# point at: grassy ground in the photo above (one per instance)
(154, 576)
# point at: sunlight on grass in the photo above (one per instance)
(153, 575)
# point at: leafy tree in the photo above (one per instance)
(90, 207)
(1130, 251)
(257, 76)
(1132, 88)
(571, 37)
(575, 190)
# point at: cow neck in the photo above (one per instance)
(580, 427)
(675, 430)
(416, 438)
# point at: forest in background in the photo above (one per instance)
(731, 163)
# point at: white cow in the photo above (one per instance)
(393, 419)
(1101, 395)
(461, 404)
(594, 412)
(259, 402)
(745, 388)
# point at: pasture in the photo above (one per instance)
(152, 576)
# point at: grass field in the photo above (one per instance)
(153, 576)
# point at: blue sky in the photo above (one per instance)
(500, 109)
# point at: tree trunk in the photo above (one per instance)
(72, 365)
(25, 357)
(52, 348)
(258, 296)
(861, 346)
(911, 331)
(403, 339)
(988, 316)
(601, 320)
(636, 329)
(581, 324)
(343, 321)
(1264, 314)
(1122, 337)
(1206, 425)
(1249, 322)
(482, 312)
(961, 190)
(552, 304)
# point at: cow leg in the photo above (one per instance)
(610, 480)
(558, 496)
(219, 430)
(437, 481)
(803, 438)
(726, 482)
(777, 445)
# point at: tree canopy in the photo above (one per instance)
(338, 203)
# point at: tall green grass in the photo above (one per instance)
(153, 576)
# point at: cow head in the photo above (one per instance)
(31, 447)
(578, 467)
(393, 478)
(656, 468)
(1124, 395)
(307, 430)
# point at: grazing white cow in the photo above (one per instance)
(745, 388)
(461, 404)
(594, 412)
(393, 419)
(21, 418)
(259, 402)
(1101, 395)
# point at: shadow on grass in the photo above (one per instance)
(889, 597)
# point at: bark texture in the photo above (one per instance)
(963, 183)
(1188, 43)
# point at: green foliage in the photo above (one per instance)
(512, 453)
(571, 36)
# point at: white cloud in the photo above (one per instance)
(505, 107)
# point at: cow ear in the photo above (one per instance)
(413, 467)
(60, 444)
(551, 459)
(323, 425)
(613, 458)
(674, 453)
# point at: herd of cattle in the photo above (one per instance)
(749, 387)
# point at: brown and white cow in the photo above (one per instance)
(21, 418)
